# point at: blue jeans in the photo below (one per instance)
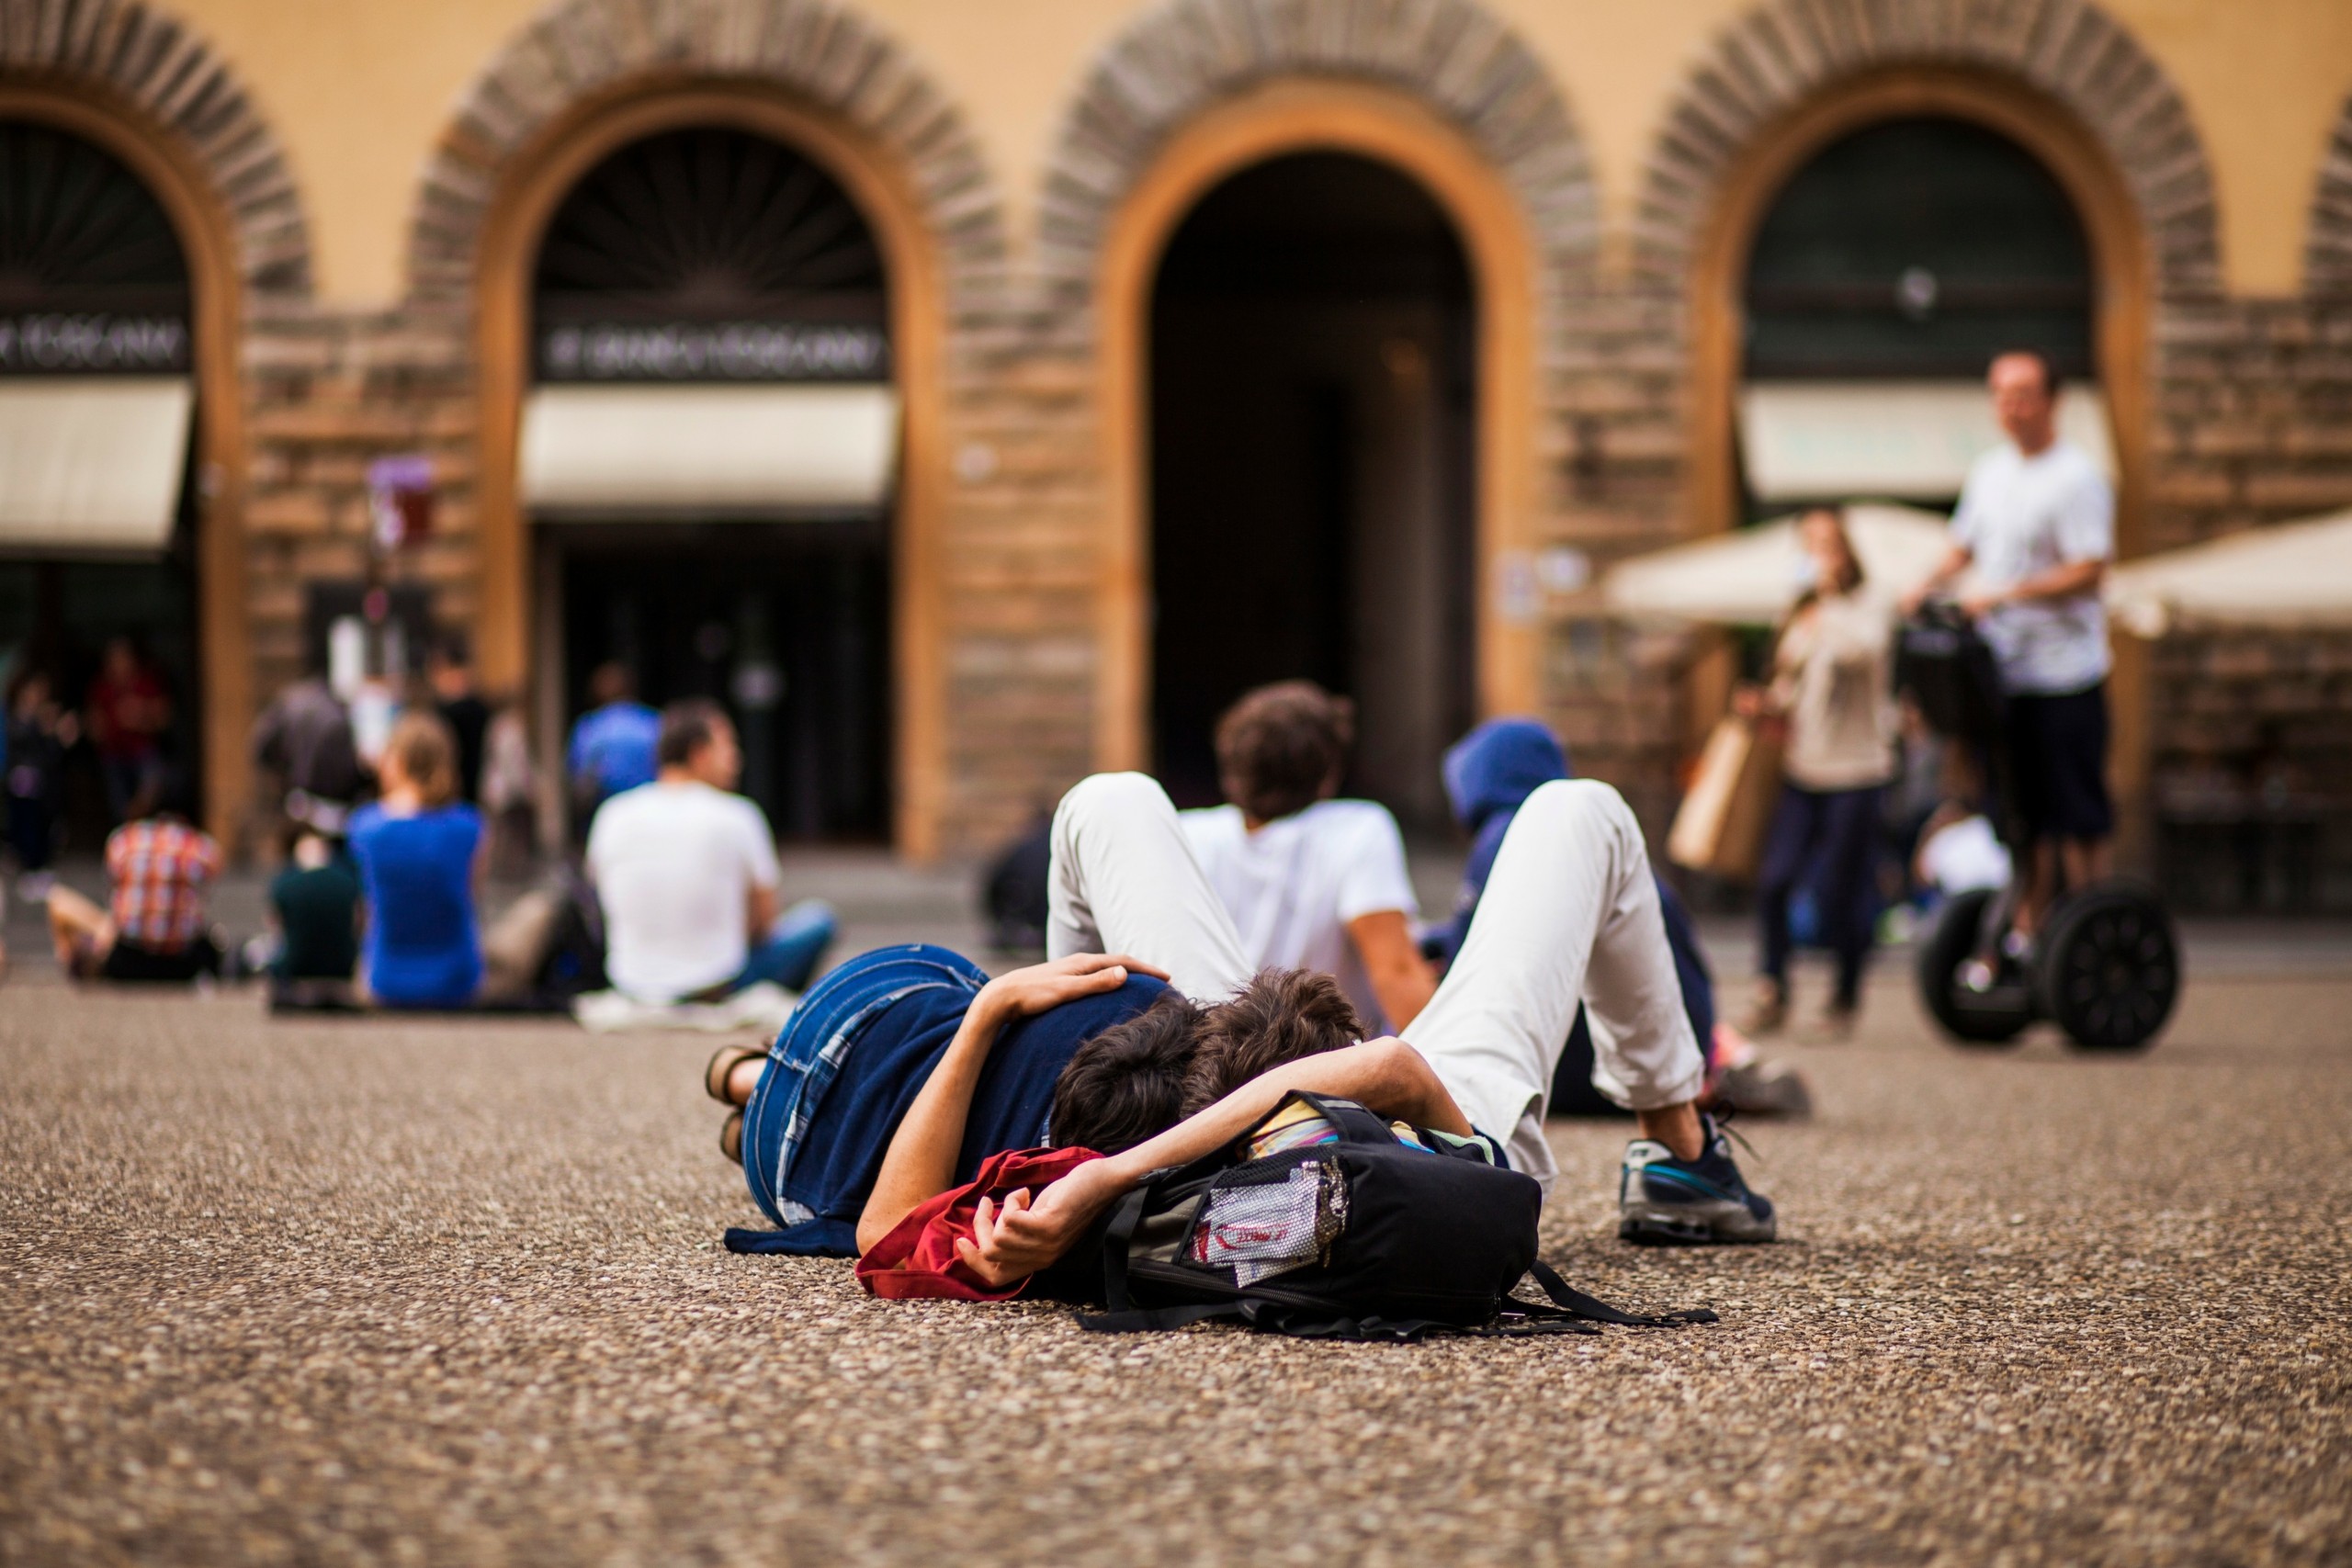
(787, 956)
(1831, 834)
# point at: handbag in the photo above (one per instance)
(1720, 827)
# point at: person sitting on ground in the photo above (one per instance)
(154, 925)
(1570, 914)
(1311, 881)
(613, 746)
(687, 875)
(314, 903)
(419, 852)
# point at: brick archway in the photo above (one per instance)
(2327, 254)
(156, 95)
(590, 74)
(1200, 88)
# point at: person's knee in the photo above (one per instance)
(1585, 806)
(1110, 798)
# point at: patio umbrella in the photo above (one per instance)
(1749, 576)
(2289, 576)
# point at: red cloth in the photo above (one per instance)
(126, 716)
(918, 1257)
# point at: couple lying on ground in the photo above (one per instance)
(1146, 1038)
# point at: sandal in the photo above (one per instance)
(722, 1067)
(731, 1137)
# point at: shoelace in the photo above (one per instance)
(1721, 1119)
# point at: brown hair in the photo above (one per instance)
(1281, 1016)
(1283, 747)
(687, 728)
(1854, 574)
(1127, 1082)
(428, 755)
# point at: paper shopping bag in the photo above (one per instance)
(1719, 829)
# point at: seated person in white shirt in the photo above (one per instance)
(687, 875)
(1311, 882)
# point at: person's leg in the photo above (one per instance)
(79, 929)
(1570, 914)
(1124, 880)
(1849, 888)
(787, 956)
(1787, 847)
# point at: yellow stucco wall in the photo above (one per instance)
(358, 90)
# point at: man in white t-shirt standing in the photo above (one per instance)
(1312, 882)
(687, 875)
(2037, 521)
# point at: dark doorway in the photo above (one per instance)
(709, 255)
(783, 625)
(1312, 424)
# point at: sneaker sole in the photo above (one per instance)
(1692, 1225)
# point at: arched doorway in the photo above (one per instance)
(1886, 273)
(1313, 391)
(710, 457)
(99, 411)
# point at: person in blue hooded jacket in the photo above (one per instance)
(1489, 773)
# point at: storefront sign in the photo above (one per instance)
(714, 351)
(95, 342)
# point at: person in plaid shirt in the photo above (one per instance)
(154, 926)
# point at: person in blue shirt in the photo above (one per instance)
(613, 745)
(419, 853)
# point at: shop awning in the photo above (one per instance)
(92, 463)
(2289, 576)
(643, 451)
(1907, 440)
(1749, 576)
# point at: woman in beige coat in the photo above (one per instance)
(1830, 684)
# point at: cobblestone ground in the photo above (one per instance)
(449, 1291)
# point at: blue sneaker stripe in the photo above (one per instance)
(1695, 1183)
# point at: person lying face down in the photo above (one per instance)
(1571, 917)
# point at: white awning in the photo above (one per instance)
(92, 462)
(1911, 440)
(606, 451)
(2289, 576)
(1749, 576)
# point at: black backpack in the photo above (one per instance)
(1368, 1238)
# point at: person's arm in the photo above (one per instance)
(2068, 580)
(762, 873)
(1956, 561)
(760, 906)
(1387, 1076)
(920, 1161)
(1400, 977)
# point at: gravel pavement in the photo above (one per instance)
(452, 1293)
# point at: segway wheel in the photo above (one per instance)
(2111, 969)
(1994, 1017)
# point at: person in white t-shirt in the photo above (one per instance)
(1311, 881)
(2036, 520)
(687, 875)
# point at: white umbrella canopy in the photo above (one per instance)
(1749, 577)
(2292, 575)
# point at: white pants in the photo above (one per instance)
(1570, 914)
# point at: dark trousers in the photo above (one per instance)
(1832, 833)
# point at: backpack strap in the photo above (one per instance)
(1137, 1320)
(1574, 1302)
(1126, 1216)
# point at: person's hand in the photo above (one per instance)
(1026, 992)
(1914, 601)
(1977, 606)
(1747, 702)
(1010, 1241)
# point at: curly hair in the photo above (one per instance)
(1281, 1016)
(1283, 747)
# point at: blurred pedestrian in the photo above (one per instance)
(613, 745)
(1831, 683)
(509, 791)
(304, 736)
(686, 872)
(40, 734)
(130, 718)
(419, 852)
(314, 903)
(154, 925)
(449, 671)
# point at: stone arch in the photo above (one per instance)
(2327, 254)
(579, 51)
(1182, 59)
(1768, 62)
(168, 81)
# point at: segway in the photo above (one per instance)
(2105, 967)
